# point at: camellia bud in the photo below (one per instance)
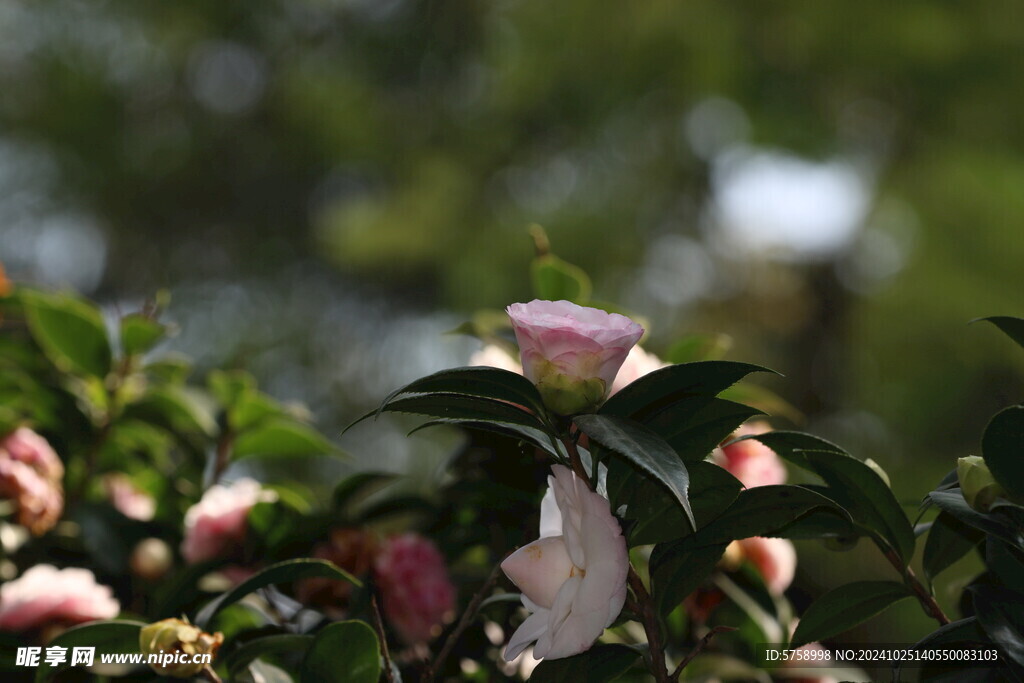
(173, 640)
(151, 559)
(979, 487)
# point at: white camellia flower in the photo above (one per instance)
(573, 577)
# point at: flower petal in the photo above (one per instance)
(560, 613)
(539, 569)
(530, 630)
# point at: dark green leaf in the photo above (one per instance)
(845, 607)
(1000, 612)
(658, 390)
(538, 438)
(108, 637)
(599, 664)
(462, 409)
(140, 333)
(554, 279)
(644, 449)
(1006, 562)
(678, 569)
(763, 511)
(482, 382)
(695, 426)
(963, 632)
(70, 331)
(949, 539)
(252, 650)
(854, 485)
(346, 652)
(282, 437)
(357, 487)
(1003, 449)
(953, 502)
(291, 570)
(656, 518)
(1012, 327)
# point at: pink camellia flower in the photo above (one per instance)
(216, 525)
(570, 352)
(637, 364)
(750, 461)
(774, 559)
(493, 356)
(418, 596)
(573, 578)
(128, 499)
(46, 596)
(30, 474)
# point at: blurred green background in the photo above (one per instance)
(327, 186)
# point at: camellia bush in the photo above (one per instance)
(608, 515)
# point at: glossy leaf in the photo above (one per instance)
(1003, 449)
(537, 437)
(1006, 563)
(70, 331)
(763, 511)
(657, 390)
(252, 650)
(482, 382)
(644, 449)
(854, 485)
(678, 569)
(1000, 612)
(282, 572)
(140, 333)
(108, 637)
(345, 652)
(845, 607)
(282, 437)
(599, 664)
(949, 539)
(650, 507)
(1011, 327)
(695, 426)
(953, 502)
(461, 409)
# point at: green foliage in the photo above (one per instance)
(284, 643)
(1002, 445)
(845, 607)
(140, 333)
(644, 449)
(282, 572)
(70, 330)
(600, 664)
(344, 652)
(108, 637)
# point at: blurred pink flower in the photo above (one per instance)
(45, 596)
(570, 352)
(418, 596)
(30, 474)
(573, 578)
(128, 499)
(216, 525)
(774, 558)
(750, 461)
(493, 356)
(637, 364)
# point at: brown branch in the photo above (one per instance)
(652, 628)
(698, 649)
(467, 618)
(927, 600)
(378, 626)
(577, 462)
(209, 674)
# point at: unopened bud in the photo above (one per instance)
(175, 637)
(979, 487)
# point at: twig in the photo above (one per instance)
(464, 621)
(698, 649)
(651, 626)
(577, 462)
(378, 626)
(931, 607)
(209, 674)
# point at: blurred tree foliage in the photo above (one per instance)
(409, 143)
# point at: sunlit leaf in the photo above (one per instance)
(70, 331)
(345, 652)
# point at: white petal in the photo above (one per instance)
(559, 614)
(550, 515)
(581, 626)
(530, 630)
(539, 569)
